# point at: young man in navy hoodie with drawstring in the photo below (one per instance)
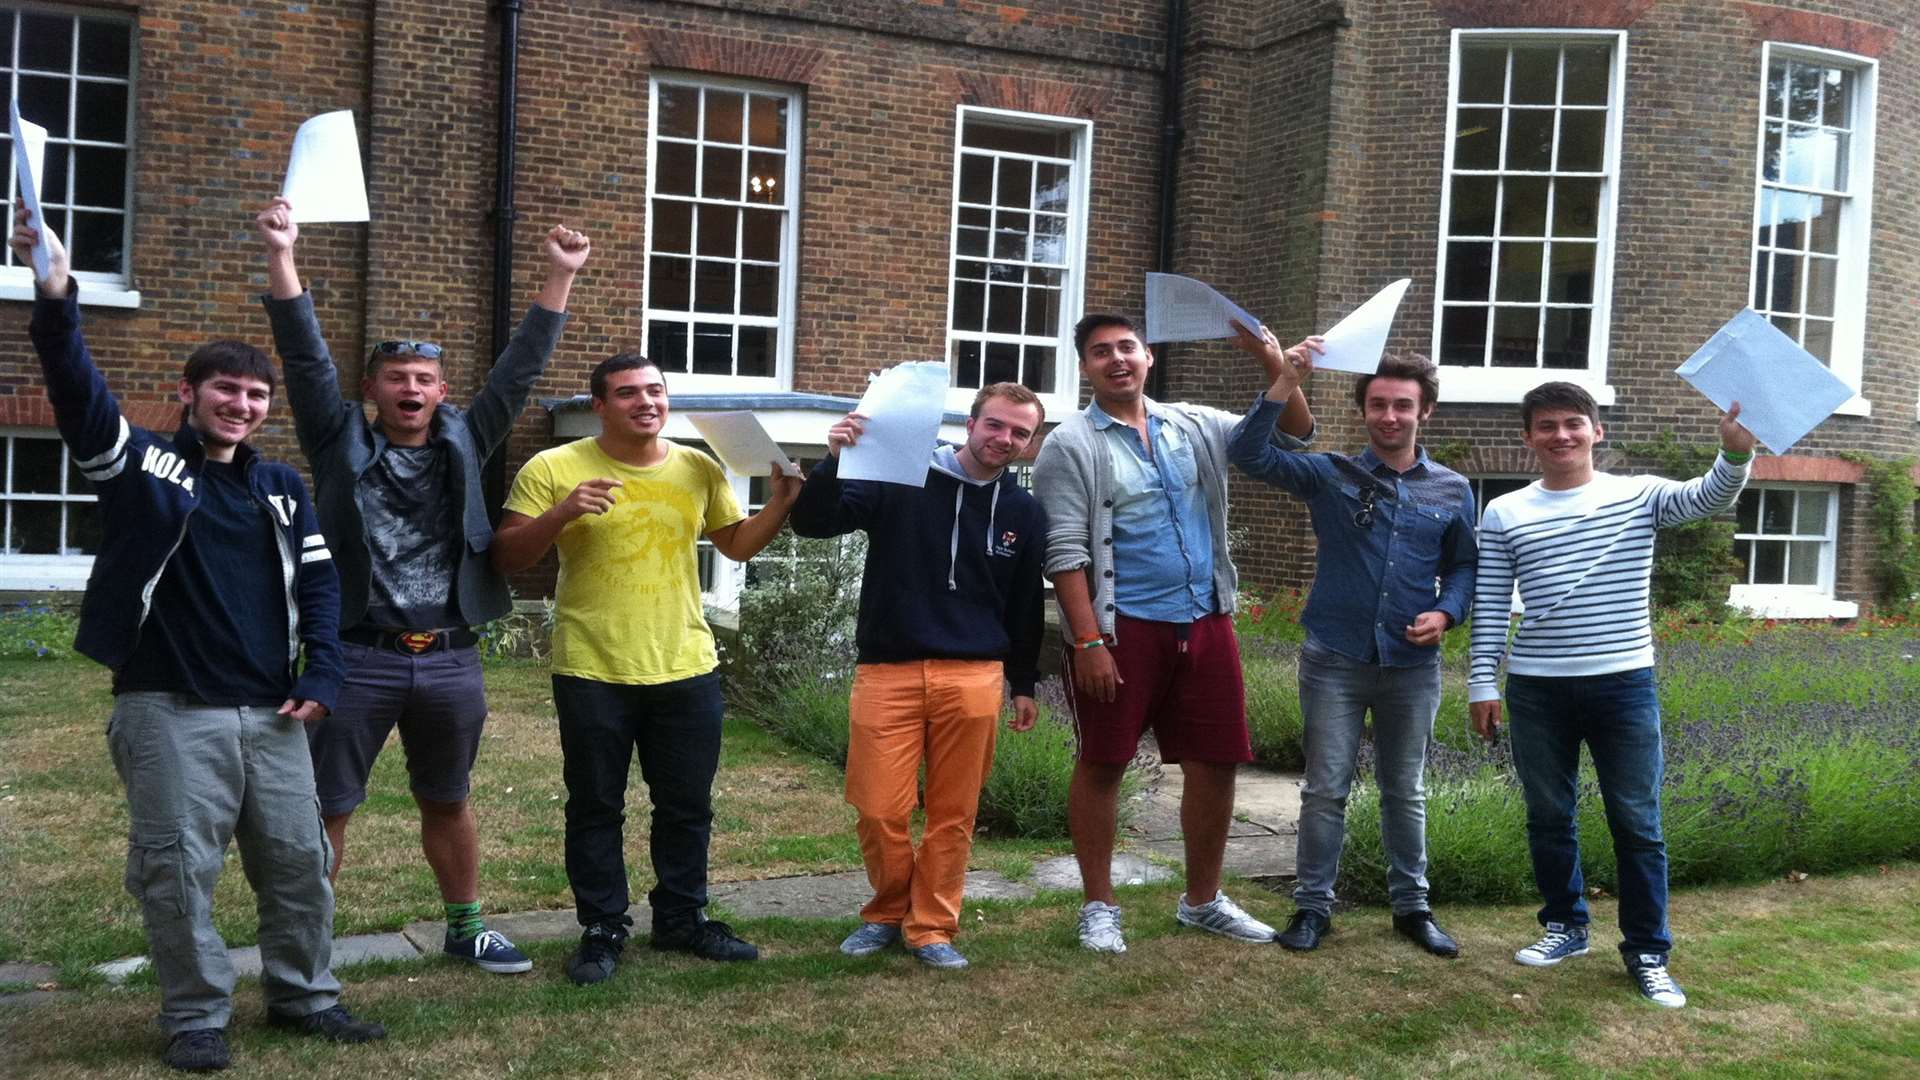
(950, 609)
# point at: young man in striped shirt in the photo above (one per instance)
(1580, 545)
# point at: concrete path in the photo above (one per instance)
(1260, 848)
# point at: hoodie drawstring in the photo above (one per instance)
(953, 544)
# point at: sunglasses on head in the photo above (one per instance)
(425, 350)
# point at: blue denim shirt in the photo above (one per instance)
(1371, 580)
(1162, 538)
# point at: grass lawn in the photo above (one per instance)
(1815, 978)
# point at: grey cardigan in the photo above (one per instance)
(1073, 477)
(341, 444)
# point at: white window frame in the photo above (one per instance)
(1509, 385)
(98, 289)
(783, 321)
(1065, 396)
(1784, 601)
(64, 571)
(1856, 215)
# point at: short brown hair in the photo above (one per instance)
(1015, 392)
(1412, 367)
(1557, 396)
(1084, 329)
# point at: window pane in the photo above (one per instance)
(100, 111)
(1803, 564)
(98, 242)
(1530, 139)
(1823, 224)
(1043, 312)
(46, 42)
(725, 109)
(1583, 141)
(1050, 239)
(720, 173)
(669, 283)
(1746, 514)
(761, 239)
(1821, 278)
(1536, 70)
(6, 41)
(1769, 562)
(36, 528)
(1037, 369)
(1789, 220)
(768, 126)
(1042, 142)
(1762, 267)
(969, 270)
(1568, 331)
(1802, 155)
(1483, 73)
(713, 286)
(757, 351)
(36, 466)
(1776, 104)
(1015, 188)
(1004, 310)
(718, 228)
(976, 179)
(1051, 187)
(1472, 202)
(1003, 363)
(1787, 324)
(1819, 340)
(1523, 206)
(106, 48)
(1743, 550)
(969, 305)
(83, 529)
(966, 364)
(1786, 284)
(1776, 511)
(1010, 238)
(760, 290)
(678, 112)
(1803, 93)
(1587, 75)
(1570, 281)
(44, 101)
(766, 172)
(1463, 336)
(667, 345)
(1516, 337)
(673, 168)
(1576, 207)
(672, 226)
(712, 349)
(1520, 266)
(1476, 141)
(1813, 514)
(99, 176)
(1837, 103)
(1771, 160)
(1469, 270)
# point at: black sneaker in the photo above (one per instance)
(1304, 931)
(335, 1023)
(705, 939)
(198, 1050)
(598, 954)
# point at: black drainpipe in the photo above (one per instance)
(1171, 132)
(494, 478)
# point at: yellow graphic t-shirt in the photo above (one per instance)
(627, 608)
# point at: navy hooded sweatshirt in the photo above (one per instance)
(953, 568)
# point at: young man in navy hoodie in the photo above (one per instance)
(950, 608)
(211, 578)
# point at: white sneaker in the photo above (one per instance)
(1224, 917)
(1100, 928)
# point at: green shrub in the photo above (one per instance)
(1273, 710)
(30, 631)
(810, 717)
(1026, 793)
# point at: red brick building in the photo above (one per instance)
(784, 197)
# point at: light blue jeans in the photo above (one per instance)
(1336, 694)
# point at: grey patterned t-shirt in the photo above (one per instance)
(412, 535)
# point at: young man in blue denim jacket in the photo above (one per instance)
(1390, 522)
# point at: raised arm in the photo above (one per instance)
(1286, 370)
(84, 408)
(828, 506)
(492, 413)
(742, 540)
(313, 382)
(1716, 491)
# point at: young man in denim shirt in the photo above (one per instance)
(1390, 522)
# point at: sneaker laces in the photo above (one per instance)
(487, 940)
(1226, 907)
(1096, 919)
(711, 929)
(1551, 941)
(1655, 980)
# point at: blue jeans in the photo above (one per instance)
(675, 730)
(1618, 716)
(1336, 693)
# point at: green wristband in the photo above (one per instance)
(1734, 458)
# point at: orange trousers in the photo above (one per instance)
(944, 713)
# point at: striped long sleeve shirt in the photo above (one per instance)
(1583, 559)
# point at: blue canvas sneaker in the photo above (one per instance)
(870, 939)
(488, 950)
(1650, 972)
(1559, 942)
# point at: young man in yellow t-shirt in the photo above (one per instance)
(633, 658)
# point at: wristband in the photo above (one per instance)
(1091, 643)
(1736, 458)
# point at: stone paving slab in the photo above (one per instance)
(347, 951)
(29, 999)
(1265, 860)
(1063, 872)
(521, 927)
(31, 974)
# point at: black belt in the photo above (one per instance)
(410, 642)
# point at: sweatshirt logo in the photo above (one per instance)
(1007, 539)
(283, 505)
(166, 465)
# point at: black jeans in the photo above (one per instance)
(676, 729)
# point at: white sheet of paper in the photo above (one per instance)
(1182, 309)
(903, 408)
(29, 155)
(1782, 390)
(324, 182)
(741, 443)
(1356, 342)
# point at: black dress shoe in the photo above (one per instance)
(1304, 931)
(1419, 926)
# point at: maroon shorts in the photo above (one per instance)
(1180, 679)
